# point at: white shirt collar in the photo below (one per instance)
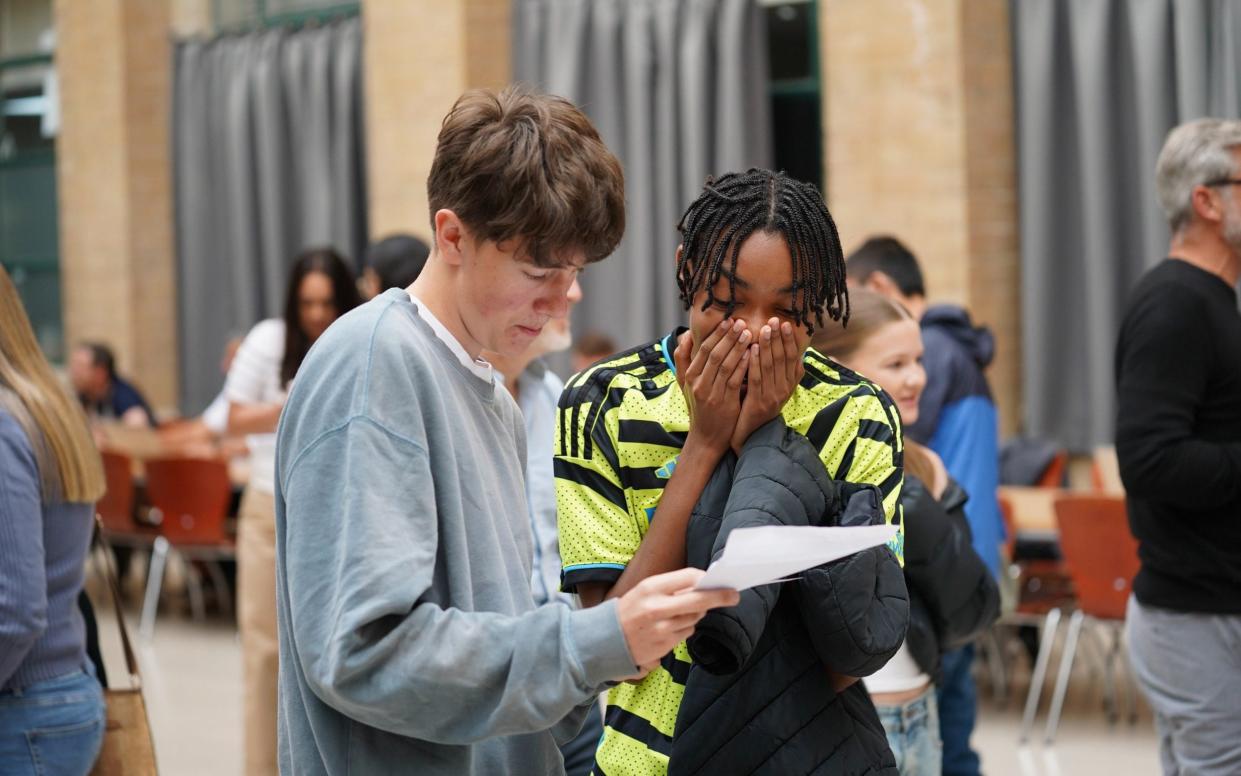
(478, 366)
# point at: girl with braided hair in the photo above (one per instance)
(760, 268)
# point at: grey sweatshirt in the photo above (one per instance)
(409, 642)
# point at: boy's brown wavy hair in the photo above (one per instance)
(519, 165)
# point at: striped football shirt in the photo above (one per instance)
(620, 427)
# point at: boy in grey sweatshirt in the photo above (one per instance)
(409, 642)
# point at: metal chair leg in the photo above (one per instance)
(1110, 699)
(1062, 679)
(194, 586)
(1091, 649)
(1131, 684)
(995, 662)
(222, 594)
(155, 581)
(1051, 625)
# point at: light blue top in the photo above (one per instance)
(538, 394)
(42, 555)
(409, 639)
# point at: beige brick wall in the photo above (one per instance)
(191, 17)
(419, 56)
(991, 191)
(114, 167)
(114, 182)
(919, 139)
(918, 122)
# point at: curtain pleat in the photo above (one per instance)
(1099, 83)
(678, 90)
(269, 160)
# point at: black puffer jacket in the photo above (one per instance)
(758, 699)
(952, 595)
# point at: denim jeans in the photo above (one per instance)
(913, 734)
(53, 728)
(579, 754)
(958, 709)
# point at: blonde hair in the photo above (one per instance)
(70, 468)
(868, 313)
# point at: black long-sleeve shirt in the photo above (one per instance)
(1178, 437)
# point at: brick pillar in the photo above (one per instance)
(419, 56)
(919, 131)
(191, 17)
(114, 177)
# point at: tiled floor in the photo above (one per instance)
(192, 675)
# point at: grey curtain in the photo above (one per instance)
(1098, 84)
(268, 160)
(678, 90)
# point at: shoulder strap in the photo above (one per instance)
(109, 574)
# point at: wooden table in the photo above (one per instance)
(1034, 510)
(140, 444)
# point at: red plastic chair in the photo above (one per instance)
(1043, 592)
(116, 508)
(1101, 556)
(1053, 475)
(1105, 472)
(191, 497)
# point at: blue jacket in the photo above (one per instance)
(958, 420)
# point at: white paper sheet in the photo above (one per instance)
(773, 553)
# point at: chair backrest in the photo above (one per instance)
(193, 495)
(1105, 471)
(1099, 551)
(1010, 526)
(1053, 475)
(116, 508)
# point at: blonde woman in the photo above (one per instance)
(51, 704)
(952, 596)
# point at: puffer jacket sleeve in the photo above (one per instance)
(950, 578)
(856, 608)
(778, 480)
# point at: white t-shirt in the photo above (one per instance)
(215, 417)
(900, 674)
(478, 366)
(254, 378)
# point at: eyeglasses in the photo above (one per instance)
(1224, 182)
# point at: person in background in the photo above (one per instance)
(537, 391)
(321, 288)
(207, 435)
(957, 419)
(215, 417)
(1178, 442)
(952, 595)
(107, 399)
(591, 347)
(92, 371)
(52, 712)
(393, 262)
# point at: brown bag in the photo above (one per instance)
(127, 745)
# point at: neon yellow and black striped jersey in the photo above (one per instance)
(620, 426)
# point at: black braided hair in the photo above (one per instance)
(735, 206)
